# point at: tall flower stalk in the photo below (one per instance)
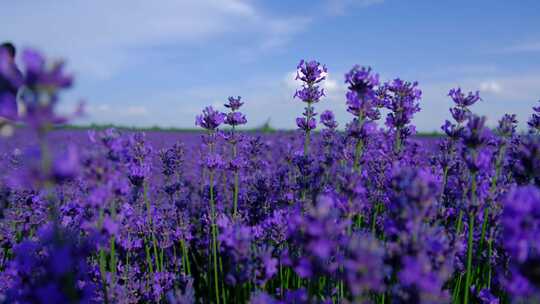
(311, 73)
(234, 119)
(475, 137)
(210, 120)
(401, 98)
(363, 103)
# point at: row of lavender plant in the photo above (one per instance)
(369, 215)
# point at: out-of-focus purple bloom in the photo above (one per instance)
(526, 161)
(412, 201)
(235, 119)
(183, 297)
(67, 166)
(362, 81)
(328, 119)
(521, 222)
(262, 298)
(417, 275)
(534, 121)
(43, 82)
(210, 119)
(364, 269)
(507, 125)
(54, 266)
(521, 227)
(486, 297)
(475, 134)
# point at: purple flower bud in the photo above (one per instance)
(534, 121)
(361, 81)
(305, 125)
(235, 119)
(310, 94)
(463, 100)
(311, 72)
(210, 119)
(328, 119)
(234, 103)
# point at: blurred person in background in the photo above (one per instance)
(9, 88)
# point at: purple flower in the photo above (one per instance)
(401, 97)
(213, 161)
(328, 119)
(534, 121)
(364, 269)
(234, 103)
(311, 72)
(306, 125)
(475, 134)
(210, 119)
(521, 222)
(464, 100)
(8, 106)
(459, 114)
(67, 166)
(235, 119)
(362, 82)
(507, 125)
(310, 94)
(361, 107)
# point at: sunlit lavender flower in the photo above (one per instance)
(311, 72)
(210, 119)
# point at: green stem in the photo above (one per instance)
(444, 181)
(214, 236)
(358, 151)
(468, 278)
(103, 270)
(112, 264)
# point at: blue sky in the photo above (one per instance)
(145, 63)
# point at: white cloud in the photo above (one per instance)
(332, 87)
(340, 7)
(102, 37)
(505, 94)
(524, 47)
(490, 87)
(136, 111)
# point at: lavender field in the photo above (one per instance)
(367, 212)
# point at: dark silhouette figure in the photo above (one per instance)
(8, 86)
